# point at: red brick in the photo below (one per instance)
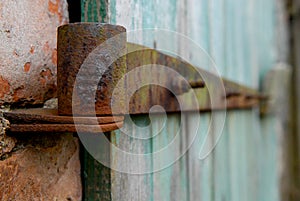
(5, 87)
(28, 48)
(27, 67)
(47, 168)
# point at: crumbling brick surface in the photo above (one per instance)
(44, 167)
(7, 143)
(28, 49)
(33, 166)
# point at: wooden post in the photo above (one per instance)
(293, 151)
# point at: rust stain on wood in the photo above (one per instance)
(138, 104)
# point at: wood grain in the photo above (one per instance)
(239, 36)
(127, 182)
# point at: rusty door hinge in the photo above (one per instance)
(89, 73)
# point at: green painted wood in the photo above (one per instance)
(200, 171)
(221, 168)
(96, 179)
(201, 174)
(94, 10)
(171, 182)
(247, 182)
(235, 121)
(131, 186)
(269, 185)
(239, 35)
(221, 155)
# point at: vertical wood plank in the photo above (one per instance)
(296, 53)
(291, 181)
(237, 121)
(269, 186)
(276, 84)
(96, 179)
(199, 171)
(221, 155)
(94, 10)
(241, 44)
(171, 182)
(131, 14)
(126, 186)
(167, 184)
(221, 168)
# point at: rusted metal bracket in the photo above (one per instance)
(237, 96)
(77, 42)
(48, 120)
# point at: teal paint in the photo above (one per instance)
(96, 179)
(221, 155)
(235, 120)
(112, 11)
(198, 28)
(239, 35)
(221, 168)
(149, 17)
(94, 10)
(131, 186)
(200, 171)
(269, 160)
(163, 179)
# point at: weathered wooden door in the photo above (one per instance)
(245, 165)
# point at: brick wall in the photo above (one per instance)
(28, 49)
(36, 166)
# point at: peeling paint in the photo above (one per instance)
(32, 49)
(54, 57)
(5, 87)
(54, 8)
(46, 75)
(46, 47)
(27, 67)
(18, 93)
(26, 50)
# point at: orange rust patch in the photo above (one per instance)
(27, 67)
(18, 94)
(54, 57)
(46, 47)
(4, 87)
(43, 81)
(31, 50)
(45, 75)
(53, 7)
